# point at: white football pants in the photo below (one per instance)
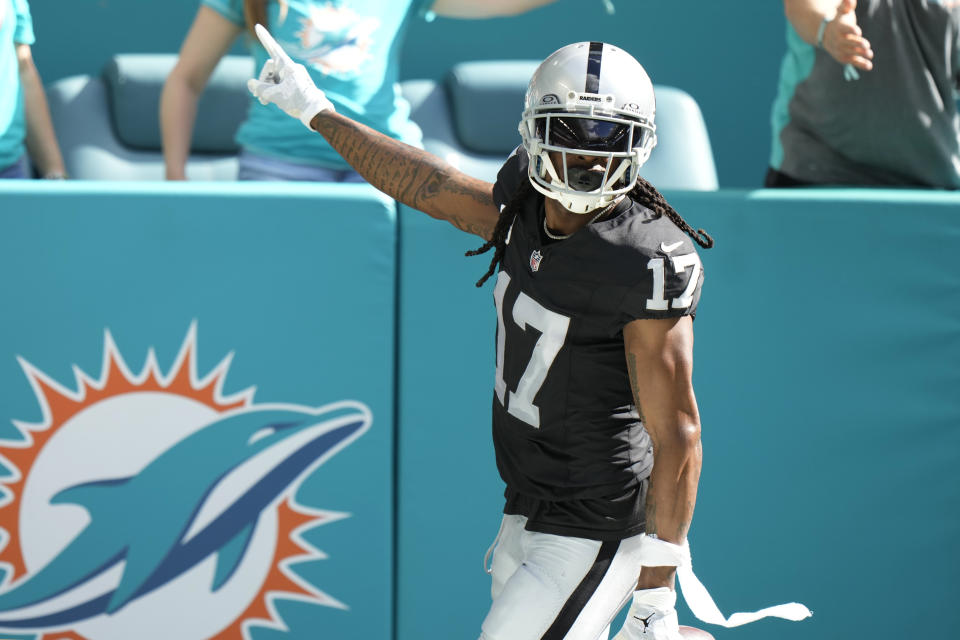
(549, 587)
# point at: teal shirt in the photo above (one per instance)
(351, 49)
(796, 66)
(16, 27)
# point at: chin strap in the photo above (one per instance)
(655, 552)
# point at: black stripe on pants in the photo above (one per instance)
(581, 595)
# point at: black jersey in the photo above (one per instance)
(569, 440)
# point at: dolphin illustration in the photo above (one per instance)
(204, 495)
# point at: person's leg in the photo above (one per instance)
(559, 587)
(507, 553)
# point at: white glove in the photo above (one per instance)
(287, 84)
(652, 616)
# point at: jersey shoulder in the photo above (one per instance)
(664, 268)
(648, 234)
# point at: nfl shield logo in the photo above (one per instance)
(535, 259)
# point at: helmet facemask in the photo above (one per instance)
(619, 142)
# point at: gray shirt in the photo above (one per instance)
(897, 125)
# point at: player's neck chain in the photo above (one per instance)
(564, 236)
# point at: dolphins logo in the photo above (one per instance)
(336, 40)
(196, 500)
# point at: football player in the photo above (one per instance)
(595, 423)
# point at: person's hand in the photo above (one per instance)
(287, 84)
(652, 616)
(844, 41)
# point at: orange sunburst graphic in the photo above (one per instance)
(282, 581)
(59, 405)
(65, 635)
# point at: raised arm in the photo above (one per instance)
(403, 172)
(413, 176)
(660, 363)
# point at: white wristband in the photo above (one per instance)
(655, 552)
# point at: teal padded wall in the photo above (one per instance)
(827, 342)
(725, 54)
(828, 337)
(449, 493)
(297, 283)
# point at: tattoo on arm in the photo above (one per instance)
(408, 174)
(482, 230)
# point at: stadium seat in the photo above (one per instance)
(472, 121)
(108, 125)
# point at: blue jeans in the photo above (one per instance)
(257, 167)
(19, 170)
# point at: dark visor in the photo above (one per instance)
(587, 133)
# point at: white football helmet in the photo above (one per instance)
(588, 99)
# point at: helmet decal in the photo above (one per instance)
(593, 67)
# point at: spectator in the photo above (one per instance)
(892, 123)
(351, 49)
(24, 115)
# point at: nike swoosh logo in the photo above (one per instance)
(667, 248)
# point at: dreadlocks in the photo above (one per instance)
(647, 195)
(643, 192)
(498, 239)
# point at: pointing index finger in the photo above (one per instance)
(275, 50)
